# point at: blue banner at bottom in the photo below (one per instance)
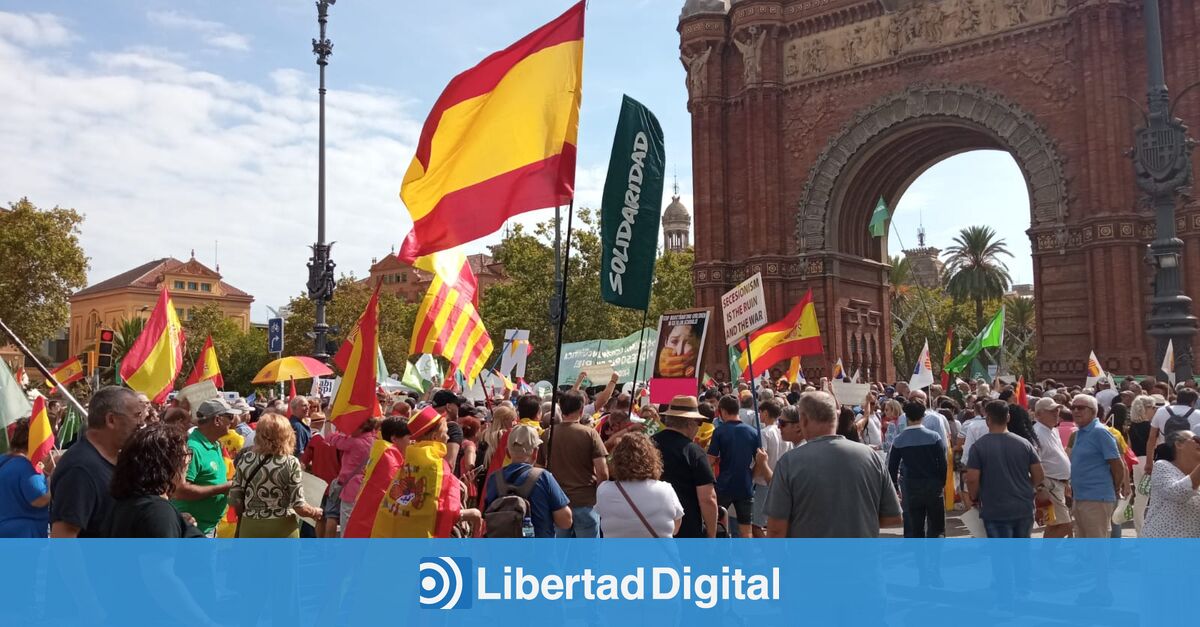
(565, 582)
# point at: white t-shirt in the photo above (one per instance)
(656, 500)
(1105, 397)
(1160, 417)
(974, 429)
(1055, 462)
(773, 444)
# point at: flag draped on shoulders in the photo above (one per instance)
(382, 465)
(423, 500)
(156, 358)
(797, 335)
(356, 400)
(460, 185)
(448, 322)
(207, 366)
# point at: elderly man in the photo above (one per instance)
(299, 411)
(80, 481)
(686, 468)
(829, 487)
(548, 505)
(1052, 495)
(203, 494)
(1097, 472)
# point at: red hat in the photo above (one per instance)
(425, 420)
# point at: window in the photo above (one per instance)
(93, 323)
(404, 277)
(179, 285)
(192, 285)
(206, 287)
(179, 312)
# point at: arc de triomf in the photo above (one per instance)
(805, 112)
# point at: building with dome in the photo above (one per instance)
(677, 225)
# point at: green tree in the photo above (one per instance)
(974, 267)
(349, 301)
(43, 265)
(1020, 323)
(127, 332)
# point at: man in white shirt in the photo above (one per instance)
(1184, 408)
(970, 433)
(1105, 395)
(774, 445)
(1052, 493)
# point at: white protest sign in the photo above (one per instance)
(850, 393)
(197, 393)
(599, 374)
(516, 351)
(744, 309)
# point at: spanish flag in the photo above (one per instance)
(207, 367)
(448, 323)
(796, 335)
(150, 367)
(41, 437)
(356, 400)
(500, 141)
(423, 500)
(66, 373)
(382, 465)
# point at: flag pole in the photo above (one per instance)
(559, 316)
(62, 389)
(753, 390)
(641, 338)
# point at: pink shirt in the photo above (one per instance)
(355, 452)
(1065, 429)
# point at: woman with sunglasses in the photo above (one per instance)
(151, 465)
(1174, 510)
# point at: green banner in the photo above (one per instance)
(991, 336)
(631, 208)
(621, 354)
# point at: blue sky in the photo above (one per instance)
(176, 124)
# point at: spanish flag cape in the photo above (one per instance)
(499, 460)
(424, 498)
(382, 465)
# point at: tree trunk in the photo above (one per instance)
(979, 313)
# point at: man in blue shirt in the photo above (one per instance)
(548, 505)
(735, 450)
(921, 454)
(1097, 473)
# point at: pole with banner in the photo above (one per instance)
(744, 309)
(630, 211)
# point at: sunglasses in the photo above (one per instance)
(1080, 407)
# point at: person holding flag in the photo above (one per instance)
(24, 495)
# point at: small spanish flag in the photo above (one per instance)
(207, 367)
(66, 373)
(41, 437)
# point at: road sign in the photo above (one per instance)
(275, 335)
(744, 309)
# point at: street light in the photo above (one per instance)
(320, 265)
(1162, 160)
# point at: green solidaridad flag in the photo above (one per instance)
(991, 336)
(879, 219)
(631, 207)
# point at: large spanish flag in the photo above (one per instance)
(151, 365)
(448, 322)
(207, 367)
(382, 465)
(796, 335)
(500, 141)
(356, 400)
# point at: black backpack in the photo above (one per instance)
(1177, 423)
(505, 515)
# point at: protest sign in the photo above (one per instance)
(744, 309)
(677, 353)
(516, 352)
(850, 393)
(197, 393)
(620, 353)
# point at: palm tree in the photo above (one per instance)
(128, 330)
(1020, 320)
(974, 268)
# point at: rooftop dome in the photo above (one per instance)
(676, 212)
(696, 7)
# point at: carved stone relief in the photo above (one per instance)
(751, 50)
(921, 25)
(697, 72)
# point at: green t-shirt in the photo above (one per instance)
(206, 468)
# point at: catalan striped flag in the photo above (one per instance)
(67, 372)
(796, 335)
(207, 366)
(151, 365)
(41, 436)
(500, 141)
(448, 323)
(356, 399)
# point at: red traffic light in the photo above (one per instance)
(106, 335)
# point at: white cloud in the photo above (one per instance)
(34, 29)
(215, 34)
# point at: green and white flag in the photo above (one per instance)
(879, 219)
(71, 428)
(411, 379)
(631, 207)
(381, 371)
(991, 336)
(14, 404)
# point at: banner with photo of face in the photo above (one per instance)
(678, 353)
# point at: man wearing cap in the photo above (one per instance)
(203, 495)
(243, 424)
(1051, 495)
(686, 468)
(548, 504)
(446, 403)
(424, 499)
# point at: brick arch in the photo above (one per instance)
(880, 151)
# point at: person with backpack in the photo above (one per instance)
(1181, 416)
(524, 501)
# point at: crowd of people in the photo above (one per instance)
(781, 459)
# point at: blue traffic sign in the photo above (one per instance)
(275, 335)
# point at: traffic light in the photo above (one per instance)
(87, 359)
(104, 349)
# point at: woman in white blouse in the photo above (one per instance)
(633, 503)
(1174, 510)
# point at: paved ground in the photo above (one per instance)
(956, 529)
